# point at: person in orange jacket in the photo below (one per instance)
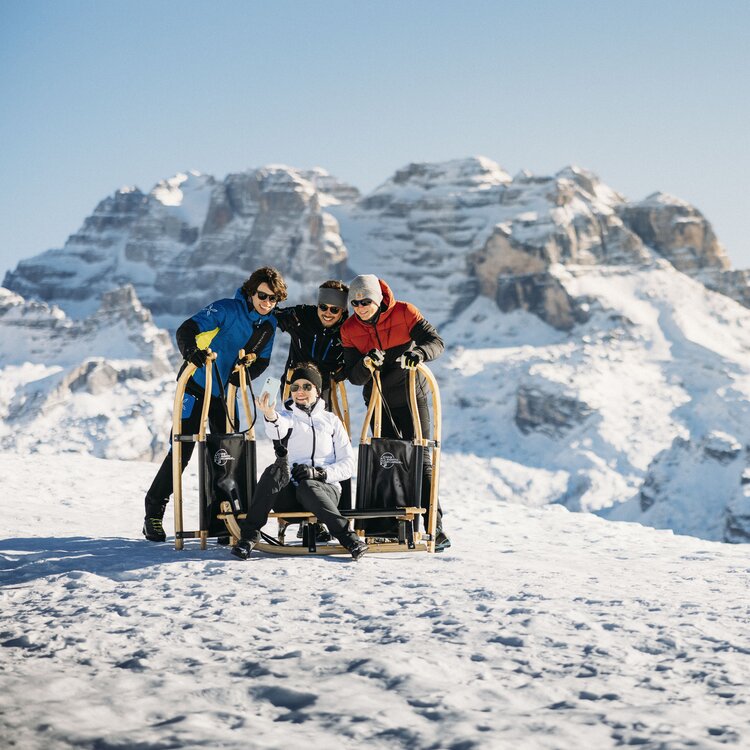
(396, 337)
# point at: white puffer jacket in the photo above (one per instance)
(317, 439)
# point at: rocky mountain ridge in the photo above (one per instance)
(447, 231)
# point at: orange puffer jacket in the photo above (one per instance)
(399, 327)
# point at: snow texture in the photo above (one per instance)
(539, 628)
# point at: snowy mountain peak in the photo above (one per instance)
(172, 191)
(476, 172)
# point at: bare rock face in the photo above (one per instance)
(518, 277)
(676, 230)
(552, 414)
(193, 238)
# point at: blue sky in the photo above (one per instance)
(97, 95)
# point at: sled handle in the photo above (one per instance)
(243, 360)
(179, 395)
(340, 404)
(287, 383)
(437, 431)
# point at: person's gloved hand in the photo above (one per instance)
(234, 377)
(303, 471)
(196, 357)
(410, 359)
(376, 357)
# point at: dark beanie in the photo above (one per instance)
(308, 373)
(330, 296)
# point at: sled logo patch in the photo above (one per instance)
(222, 458)
(388, 461)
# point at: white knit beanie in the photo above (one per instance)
(366, 286)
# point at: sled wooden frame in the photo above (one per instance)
(178, 438)
(409, 540)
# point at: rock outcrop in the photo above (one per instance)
(550, 413)
(193, 238)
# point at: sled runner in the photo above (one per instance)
(389, 488)
(226, 463)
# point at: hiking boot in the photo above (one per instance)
(322, 534)
(244, 547)
(153, 529)
(358, 550)
(355, 546)
(441, 541)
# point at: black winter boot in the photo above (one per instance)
(152, 523)
(244, 547)
(355, 545)
(442, 542)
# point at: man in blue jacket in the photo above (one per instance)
(226, 326)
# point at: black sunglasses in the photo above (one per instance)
(263, 296)
(361, 302)
(304, 386)
(329, 308)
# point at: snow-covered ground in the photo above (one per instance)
(539, 628)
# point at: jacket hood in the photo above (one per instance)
(388, 299)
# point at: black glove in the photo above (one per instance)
(303, 471)
(234, 377)
(377, 357)
(410, 359)
(196, 357)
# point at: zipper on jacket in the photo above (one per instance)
(312, 457)
(312, 351)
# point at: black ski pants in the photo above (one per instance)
(319, 498)
(161, 488)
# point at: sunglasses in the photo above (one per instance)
(329, 308)
(304, 386)
(361, 302)
(263, 296)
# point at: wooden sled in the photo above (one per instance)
(178, 439)
(407, 538)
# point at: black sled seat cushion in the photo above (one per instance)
(228, 464)
(389, 477)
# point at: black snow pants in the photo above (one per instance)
(319, 498)
(161, 488)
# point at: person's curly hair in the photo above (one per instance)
(335, 284)
(269, 276)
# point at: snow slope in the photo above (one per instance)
(539, 629)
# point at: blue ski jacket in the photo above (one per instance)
(225, 326)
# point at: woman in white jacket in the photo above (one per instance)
(320, 455)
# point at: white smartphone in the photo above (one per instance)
(271, 387)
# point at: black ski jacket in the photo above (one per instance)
(311, 341)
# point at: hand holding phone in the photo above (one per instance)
(271, 387)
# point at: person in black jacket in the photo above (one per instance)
(315, 333)
(315, 337)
